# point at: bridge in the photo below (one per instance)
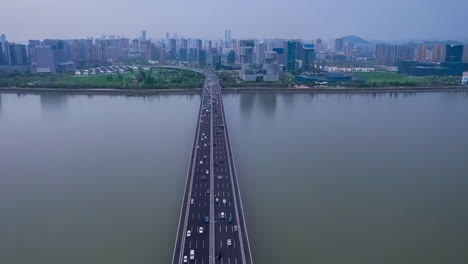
(212, 228)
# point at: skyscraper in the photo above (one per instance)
(318, 44)
(339, 44)
(390, 54)
(231, 57)
(438, 53)
(453, 53)
(259, 53)
(309, 56)
(421, 53)
(465, 54)
(202, 58)
(143, 35)
(227, 38)
(172, 47)
(292, 54)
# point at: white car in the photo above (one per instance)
(200, 230)
(229, 242)
(189, 233)
(207, 172)
(222, 215)
(185, 259)
(224, 201)
(217, 200)
(191, 201)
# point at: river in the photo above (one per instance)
(325, 178)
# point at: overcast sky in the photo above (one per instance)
(21, 20)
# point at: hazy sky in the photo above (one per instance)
(307, 19)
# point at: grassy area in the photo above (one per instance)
(379, 79)
(232, 79)
(155, 78)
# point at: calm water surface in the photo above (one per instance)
(92, 179)
(324, 178)
(353, 178)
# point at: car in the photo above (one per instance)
(189, 233)
(207, 219)
(222, 215)
(217, 200)
(220, 177)
(230, 220)
(207, 191)
(201, 161)
(229, 242)
(185, 259)
(200, 230)
(207, 172)
(224, 201)
(235, 228)
(203, 178)
(191, 201)
(192, 254)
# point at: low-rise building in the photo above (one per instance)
(465, 78)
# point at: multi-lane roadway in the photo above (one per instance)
(212, 228)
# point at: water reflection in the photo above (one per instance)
(54, 102)
(267, 102)
(247, 102)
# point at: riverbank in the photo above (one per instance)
(144, 92)
(100, 91)
(394, 89)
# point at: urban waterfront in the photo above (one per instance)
(355, 178)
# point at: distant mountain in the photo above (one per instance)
(355, 40)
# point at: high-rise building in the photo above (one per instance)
(184, 44)
(259, 52)
(231, 57)
(45, 60)
(349, 50)
(309, 56)
(202, 58)
(173, 49)
(438, 53)
(143, 35)
(216, 62)
(453, 53)
(246, 51)
(2, 38)
(465, 54)
(339, 44)
(227, 38)
(421, 53)
(318, 45)
(17, 54)
(292, 54)
(390, 54)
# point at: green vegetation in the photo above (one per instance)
(383, 79)
(232, 79)
(153, 78)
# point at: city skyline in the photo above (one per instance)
(383, 21)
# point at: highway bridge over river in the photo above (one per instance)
(212, 228)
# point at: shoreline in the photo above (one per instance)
(392, 89)
(100, 91)
(142, 92)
